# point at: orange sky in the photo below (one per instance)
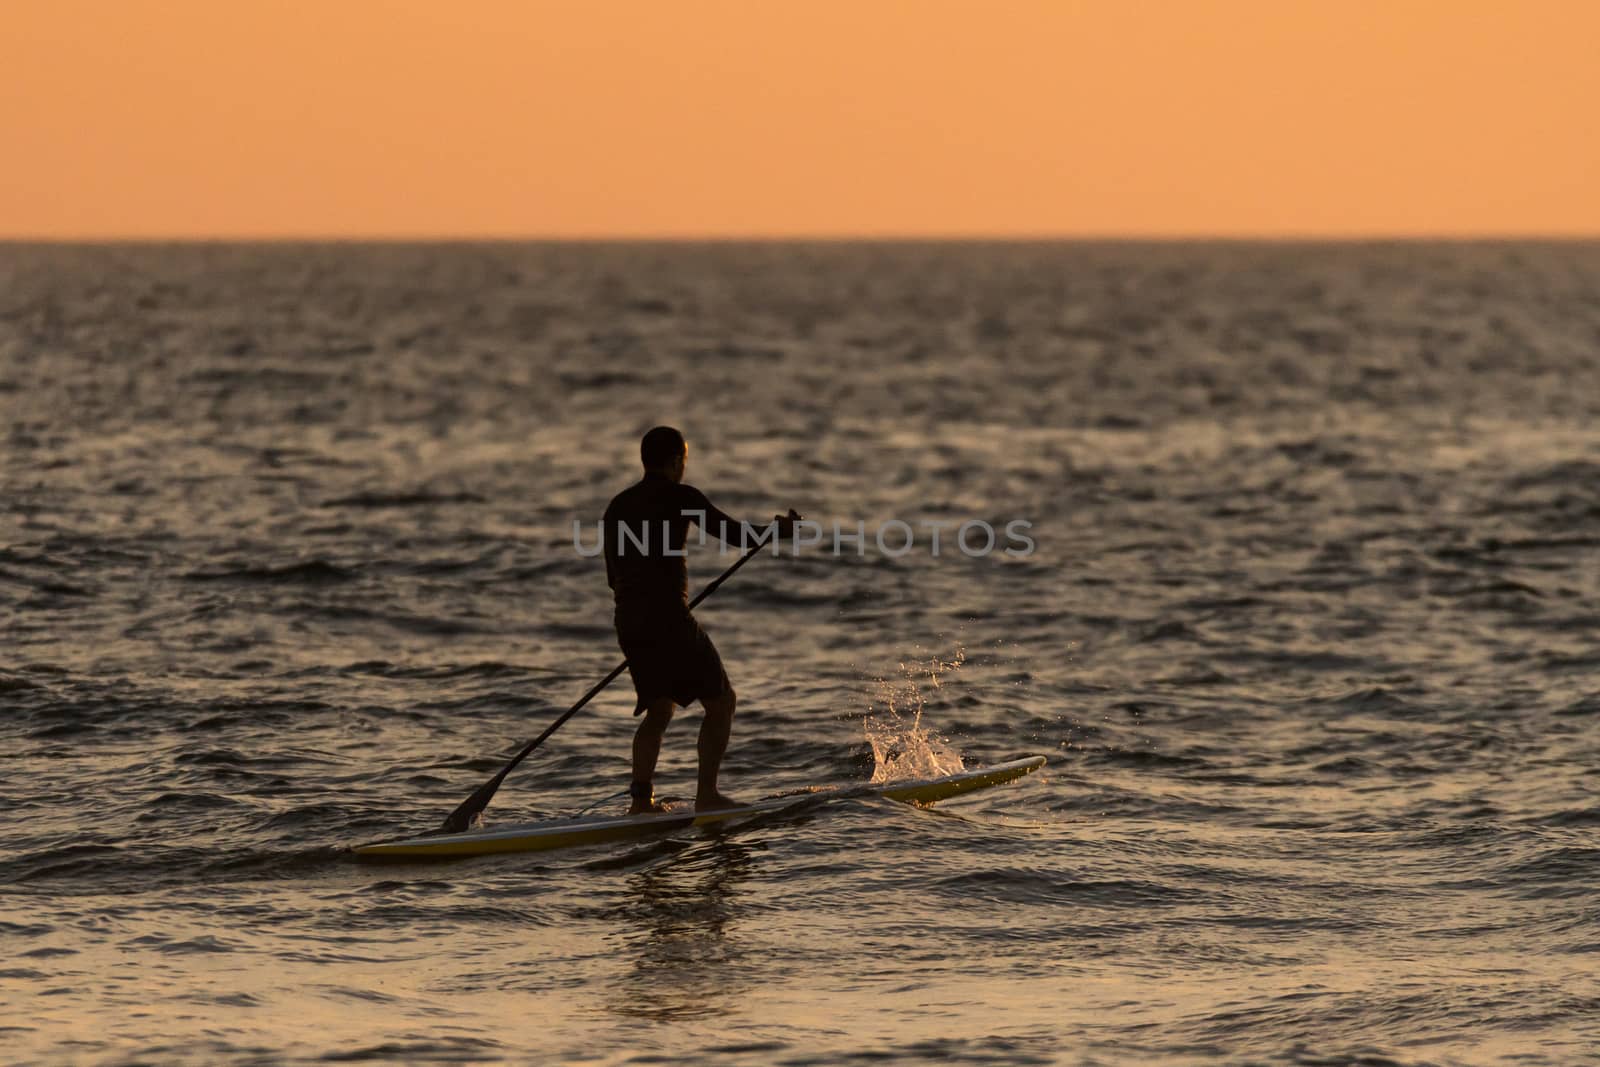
(753, 117)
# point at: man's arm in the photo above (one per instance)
(713, 520)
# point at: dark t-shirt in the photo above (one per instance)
(645, 529)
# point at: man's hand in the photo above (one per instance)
(786, 523)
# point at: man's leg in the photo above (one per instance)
(646, 750)
(714, 732)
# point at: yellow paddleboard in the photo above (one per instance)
(591, 830)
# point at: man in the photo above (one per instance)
(670, 658)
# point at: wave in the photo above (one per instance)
(415, 499)
(311, 572)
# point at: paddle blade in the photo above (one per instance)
(460, 820)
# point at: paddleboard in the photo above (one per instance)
(593, 830)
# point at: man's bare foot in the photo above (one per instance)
(647, 807)
(715, 802)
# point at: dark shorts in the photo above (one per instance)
(670, 656)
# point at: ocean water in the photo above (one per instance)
(1308, 634)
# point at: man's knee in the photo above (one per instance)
(722, 706)
(656, 717)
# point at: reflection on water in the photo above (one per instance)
(679, 923)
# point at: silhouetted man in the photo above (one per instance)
(670, 658)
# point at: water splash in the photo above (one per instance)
(902, 747)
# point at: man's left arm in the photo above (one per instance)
(730, 530)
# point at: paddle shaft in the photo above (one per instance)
(469, 809)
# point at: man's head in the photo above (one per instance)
(664, 451)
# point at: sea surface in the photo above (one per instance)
(1310, 634)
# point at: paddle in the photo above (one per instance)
(470, 808)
